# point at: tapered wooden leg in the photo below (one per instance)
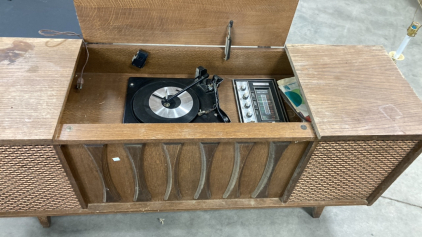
(317, 211)
(45, 221)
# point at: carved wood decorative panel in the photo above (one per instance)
(98, 154)
(187, 171)
(136, 157)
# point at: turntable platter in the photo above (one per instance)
(178, 107)
(149, 106)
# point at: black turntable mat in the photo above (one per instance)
(148, 104)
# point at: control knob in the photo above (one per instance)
(249, 114)
(242, 87)
(247, 105)
(245, 96)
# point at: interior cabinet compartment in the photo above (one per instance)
(103, 96)
(116, 162)
(102, 99)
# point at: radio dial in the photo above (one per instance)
(257, 101)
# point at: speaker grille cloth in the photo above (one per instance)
(32, 178)
(348, 170)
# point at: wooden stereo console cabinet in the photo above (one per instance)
(65, 151)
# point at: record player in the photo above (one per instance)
(174, 100)
(100, 165)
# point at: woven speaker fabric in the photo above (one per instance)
(32, 178)
(348, 170)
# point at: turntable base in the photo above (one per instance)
(145, 101)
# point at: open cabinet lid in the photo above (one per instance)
(35, 75)
(355, 92)
(186, 22)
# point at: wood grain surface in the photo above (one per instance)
(135, 155)
(285, 168)
(45, 221)
(172, 154)
(183, 132)
(221, 169)
(264, 23)
(156, 171)
(275, 153)
(355, 91)
(34, 79)
(214, 204)
(189, 169)
(303, 162)
(85, 172)
(253, 169)
(242, 151)
(69, 175)
(317, 211)
(121, 171)
(184, 60)
(182, 171)
(183, 205)
(207, 156)
(100, 155)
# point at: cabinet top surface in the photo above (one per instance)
(34, 79)
(256, 23)
(355, 91)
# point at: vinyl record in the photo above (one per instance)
(148, 104)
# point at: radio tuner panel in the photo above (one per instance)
(259, 101)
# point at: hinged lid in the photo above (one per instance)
(35, 75)
(355, 91)
(256, 23)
